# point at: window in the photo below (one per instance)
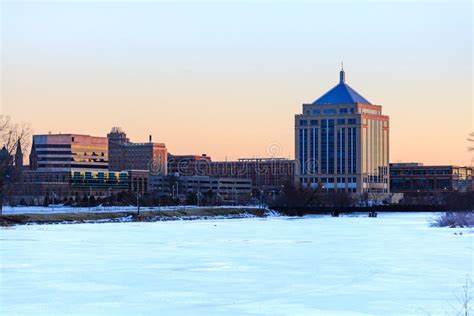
(343, 111)
(313, 122)
(316, 112)
(351, 121)
(327, 146)
(352, 110)
(303, 122)
(329, 111)
(341, 121)
(396, 184)
(341, 150)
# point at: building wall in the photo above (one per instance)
(343, 146)
(125, 155)
(63, 152)
(415, 177)
(267, 174)
(188, 165)
(35, 185)
(226, 188)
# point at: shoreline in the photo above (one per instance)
(7, 220)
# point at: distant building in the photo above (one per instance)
(125, 155)
(219, 189)
(18, 159)
(65, 152)
(138, 181)
(36, 185)
(342, 143)
(416, 177)
(188, 165)
(267, 175)
(6, 168)
(6, 160)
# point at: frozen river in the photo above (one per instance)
(391, 265)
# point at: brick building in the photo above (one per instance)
(416, 177)
(125, 155)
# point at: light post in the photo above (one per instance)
(138, 203)
(52, 194)
(89, 199)
(199, 198)
(109, 195)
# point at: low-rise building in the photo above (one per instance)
(222, 189)
(35, 186)
(267, 175)
(416, 177)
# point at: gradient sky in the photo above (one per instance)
(226, 79)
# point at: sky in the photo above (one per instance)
(226, 79)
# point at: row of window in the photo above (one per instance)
(72, 159)
(329, 180)
(329, 111)
(68, 153)
(95, 166)
(326, 157)
(419, 184)
(52, 146)
(338, 122)
(396, 172)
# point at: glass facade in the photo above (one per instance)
(313, 147)
(99, 179)
(63, 151)
(341, 150)
(303, 157)
(352, 138)
(327, 146)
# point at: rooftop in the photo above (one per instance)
(342, 93)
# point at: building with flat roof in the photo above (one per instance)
(416, 177)
(342, 143)
(267, 175)
(220, 189)
(63, 152)
(125, 155)
(59, 185)
(188, 165)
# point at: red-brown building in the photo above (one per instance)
(415, 177)
(266, 174)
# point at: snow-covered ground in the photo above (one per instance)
(317, 265)
(8, 210)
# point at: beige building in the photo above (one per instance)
(342, 143)
(63, 152)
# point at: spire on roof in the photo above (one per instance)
(18, 148)
(342, 93)
(342, 74)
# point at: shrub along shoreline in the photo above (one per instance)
(129, 216)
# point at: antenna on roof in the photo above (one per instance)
(342, 75)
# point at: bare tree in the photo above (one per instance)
(11, 134)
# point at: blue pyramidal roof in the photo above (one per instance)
(342, 94)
